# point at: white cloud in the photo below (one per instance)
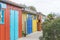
(44, 6)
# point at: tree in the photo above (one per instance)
(32, 8)
(51, 31)
(51, 28)
(51, 16)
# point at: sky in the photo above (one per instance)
(44, 6)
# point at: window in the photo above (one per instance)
(1, 16)
(34, 17)
(2, 5)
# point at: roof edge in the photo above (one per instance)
(12, 3)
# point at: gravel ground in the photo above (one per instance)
(33, 36)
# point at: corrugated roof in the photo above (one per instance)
(20, 6)
(39, 13)
(12, 3)
(30, 11)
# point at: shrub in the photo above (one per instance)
(51, 30)
(23, 34)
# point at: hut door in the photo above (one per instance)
(13, 25)
(16, 25)
(34, 24)
(29, 24)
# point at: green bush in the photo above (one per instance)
(23, 34)
(51, 30)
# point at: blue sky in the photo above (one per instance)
(44, 6)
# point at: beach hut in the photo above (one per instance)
(10, 20)
(29, 21)
(24, 18)
(41, 18)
